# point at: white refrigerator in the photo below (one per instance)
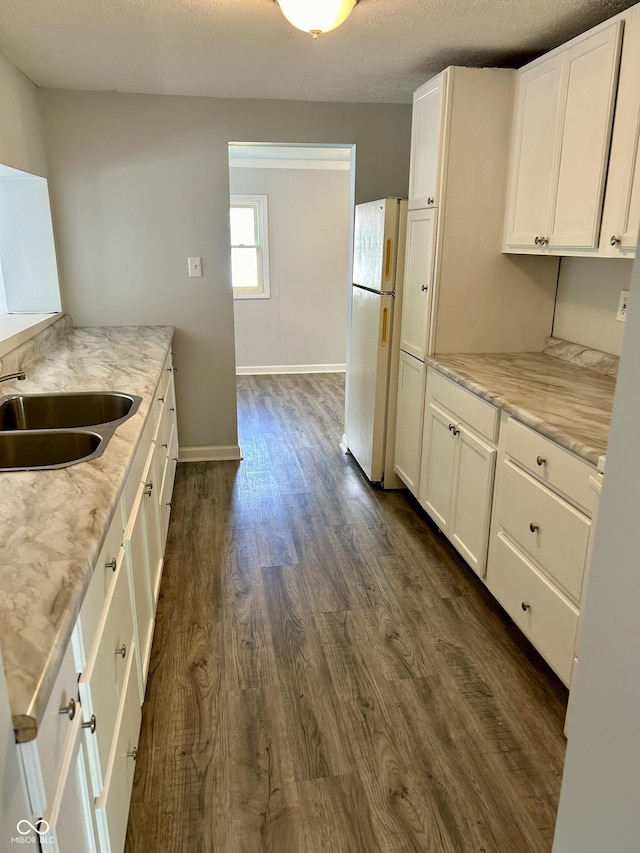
(374, 338)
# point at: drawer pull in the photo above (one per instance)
(430, 200)
(424, 288)
(172, 409)
(148, 488)
(534, 527)
(133, 754)
(175, 458)
(525, 606)
(122, 651)
(165, 446)
(168, 504)
(541, 460)
(111, 564)
(161, 399)
(615, 241)
(90, 724)
(70, 709)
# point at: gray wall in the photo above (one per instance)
(304, 321)
(599, 800)
(140, 182)
(587, 302)
(21, 139)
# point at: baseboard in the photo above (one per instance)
(290, 368)
(210, 453)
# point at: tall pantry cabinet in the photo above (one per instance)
(461, 293)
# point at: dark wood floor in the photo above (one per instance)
(327, 674)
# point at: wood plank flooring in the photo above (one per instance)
(327, 674)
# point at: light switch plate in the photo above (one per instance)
(623, 304)
(195, 267)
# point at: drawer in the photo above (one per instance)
(560, 534)
(551, 464)
(463, 405)
(110, 557)
(138, 469)
(101, 683)
(55, 734)
(112, 807)
(542, 613)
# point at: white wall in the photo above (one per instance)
(21, 139)
(599, 802)
(304, 320)
(140, 182)
(587, 302)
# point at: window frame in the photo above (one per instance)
(259, 203)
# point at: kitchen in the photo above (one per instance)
(151, 152)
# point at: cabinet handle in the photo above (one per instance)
(90, 724)
(148, 488)
(541, 460)
(541, 241)
(175, 458)
(525, 606)
(533, 527)
(168, 504)
(111, 564)
(133, 754)
(122, 651)
(424, 288)
(161, 399)
(70, 709)
(454, 429)
(451, 426)
(615, 241)
(172, 410)
(430, 200)
(165, 446)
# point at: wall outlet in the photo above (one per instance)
(195, 267)
(623, 304)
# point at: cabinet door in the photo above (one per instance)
(473, 489)
(427, 123)
(438, 465)
(70, 816)
(621, 217)
(590, 70)
(136, 549)
(417, 297)
(535, 124)
(409, 415)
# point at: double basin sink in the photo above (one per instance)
(48, 431)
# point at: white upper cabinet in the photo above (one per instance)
(560, 148)
(426, 143)
(621, 216)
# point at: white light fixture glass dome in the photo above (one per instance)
(316, 16)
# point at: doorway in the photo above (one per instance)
(292, 206)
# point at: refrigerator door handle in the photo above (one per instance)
(387, 260)
(384, 340)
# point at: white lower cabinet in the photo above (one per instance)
(79, 769)
(457, 466)
(409, 419)
(539, 541)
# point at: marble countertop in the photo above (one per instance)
(568, 403)
(52, 523)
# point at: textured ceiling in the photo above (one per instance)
(246, 49)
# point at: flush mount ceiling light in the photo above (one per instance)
(316, 16)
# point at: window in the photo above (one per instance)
(249, 247)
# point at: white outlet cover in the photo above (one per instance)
(623, 305)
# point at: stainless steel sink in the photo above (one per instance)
(46, 449)
(66, 410)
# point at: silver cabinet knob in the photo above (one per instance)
(431, 199)
(615, 241)
(541, 460)
(133, 754)
(69, 709)
(161, 399)
(111, 564)
(90, 724)
(121, 651)
(148, 488)
(525, 606)
(534, 527)
(424, 288)
(541, 241)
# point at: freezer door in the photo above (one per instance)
(368, 386)
(375, 244)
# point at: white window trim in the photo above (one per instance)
(259, 202)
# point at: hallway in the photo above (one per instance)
(327, 674)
